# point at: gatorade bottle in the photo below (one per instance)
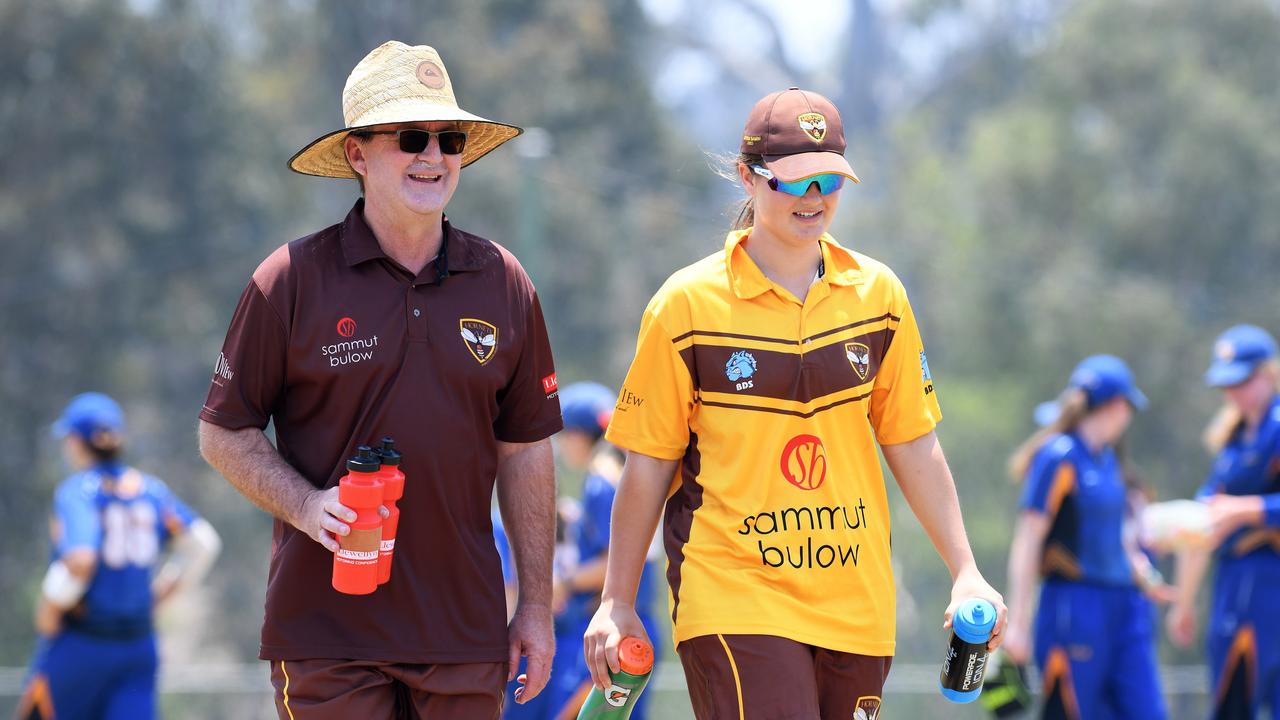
(392, 490)
(355, 565)
(636, 657)
(962, 670)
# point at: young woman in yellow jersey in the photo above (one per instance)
(765, 378)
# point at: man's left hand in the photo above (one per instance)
(970, 584)
(532, 635)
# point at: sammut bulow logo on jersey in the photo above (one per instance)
(349, 352)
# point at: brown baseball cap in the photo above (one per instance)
(800, 135)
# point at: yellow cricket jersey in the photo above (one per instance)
(777, 521)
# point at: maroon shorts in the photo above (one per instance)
(762, 677)
(369, 690)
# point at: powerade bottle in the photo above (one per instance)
(966, 660)
(392, 490)
(636, 658)
(355, 565)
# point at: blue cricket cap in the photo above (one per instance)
(89, 414)
(587, 407)
(1101, 377)
(1237, 353)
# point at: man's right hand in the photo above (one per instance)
(324, 519)
(612, 622)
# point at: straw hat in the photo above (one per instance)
(397, 83)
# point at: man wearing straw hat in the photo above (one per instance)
(394, 322)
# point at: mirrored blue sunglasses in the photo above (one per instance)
(827, 182)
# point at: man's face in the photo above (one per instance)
(421, 183)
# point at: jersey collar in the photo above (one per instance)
(748, 281)
(359, 244)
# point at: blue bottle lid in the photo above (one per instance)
(974, 620)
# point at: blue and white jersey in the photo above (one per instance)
(1250, 465)
(1084, 495)
(127, 518)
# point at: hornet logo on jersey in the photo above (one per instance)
(813, 125)
(859, 356)
(480, 337)
(868, 708)
(740, 368)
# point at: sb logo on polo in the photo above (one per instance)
(804, 462)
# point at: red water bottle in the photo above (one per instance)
(355, 565)
(393, 489)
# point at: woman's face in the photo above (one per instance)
(792, 220)
(1252, 396)
(1114, 417)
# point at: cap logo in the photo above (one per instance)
(430, 74)
(814, 125)
(751, 139)
(1225, 351)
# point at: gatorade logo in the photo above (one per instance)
(346, 327)
(617, 695)
(804, 462)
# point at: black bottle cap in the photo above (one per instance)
(390, 456)
(365, 460)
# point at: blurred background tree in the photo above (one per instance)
(1051, 178)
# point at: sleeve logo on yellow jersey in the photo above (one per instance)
(804, 462)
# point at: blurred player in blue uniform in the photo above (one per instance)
(1094, 638)
(546, 704)
(587, 408)
(111, 525)
(1243, 495)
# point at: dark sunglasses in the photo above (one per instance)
(827, 182)
(414, 141)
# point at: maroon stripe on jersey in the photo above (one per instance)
(799, 377)
(785, 341)
(796, 413)
(678, 518)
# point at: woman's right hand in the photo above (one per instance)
(1180, 623)
(1017, 643)
(612, 622)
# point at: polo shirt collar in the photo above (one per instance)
(748, 281)
(359, 244)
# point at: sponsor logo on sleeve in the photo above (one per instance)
(222, 371)
(741, 366)
(627, 400)
(925, 376)
(549, 385)
(480, 337)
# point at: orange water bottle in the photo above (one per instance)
(355, 565)
(392, 490)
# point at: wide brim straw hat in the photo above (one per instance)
(395, 84)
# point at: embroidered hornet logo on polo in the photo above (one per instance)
(813, 125)
(859, 356)
(868, 708)
(480, 337)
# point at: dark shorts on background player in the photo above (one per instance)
(369, 690)
(75, 675)
(762, 677)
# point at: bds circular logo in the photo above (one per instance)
(804, 462)
(346, 327)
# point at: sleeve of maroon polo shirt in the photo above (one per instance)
(529, 407)
(249, 374)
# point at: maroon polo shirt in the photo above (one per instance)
(339, 345)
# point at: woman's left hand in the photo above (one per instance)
(969, 583)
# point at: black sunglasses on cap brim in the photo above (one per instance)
(414, 140)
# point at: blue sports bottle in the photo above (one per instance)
(962, 669)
